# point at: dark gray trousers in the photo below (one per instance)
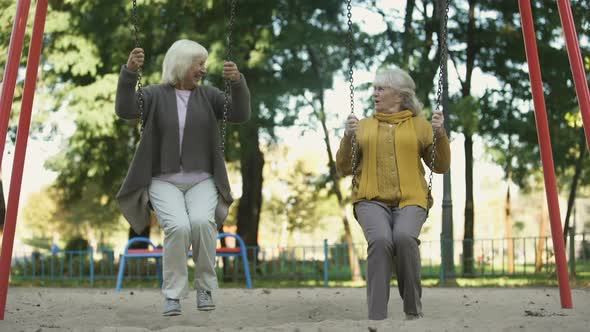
(392, 233)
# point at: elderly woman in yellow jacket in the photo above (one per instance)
(390, 194)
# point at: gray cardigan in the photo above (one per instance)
(158, 150)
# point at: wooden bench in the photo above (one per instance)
(154, 252)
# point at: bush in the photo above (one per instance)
(77, 243)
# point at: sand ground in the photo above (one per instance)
(296, 309)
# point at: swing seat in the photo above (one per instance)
(157, 253)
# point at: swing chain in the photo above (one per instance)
(139, 85)
(227, 88)
(351, 83)
(439, 94)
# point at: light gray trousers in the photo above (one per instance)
(187, 216)
(392, 233)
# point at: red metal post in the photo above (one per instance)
(11, 71)
(576, 63)
(21, 150)
(530, 41)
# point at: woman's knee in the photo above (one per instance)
(200, 221)
(404, 240)
(381, 244)
(177, 229)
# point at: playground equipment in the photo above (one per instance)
(157, 253)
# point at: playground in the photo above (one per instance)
(298, 309)
(101, 245)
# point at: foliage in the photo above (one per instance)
(77, 243)
(290, 51)
(507, 113)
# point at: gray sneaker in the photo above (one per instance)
(204, 300)
(171, 307)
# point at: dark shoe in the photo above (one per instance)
(414, 316)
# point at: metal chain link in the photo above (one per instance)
(227, 88)
(351, 82)
(439, 96)
(139, 70)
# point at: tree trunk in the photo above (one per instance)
(252, 163)
(226, 262)
(542, 233)
(469, 232)
(508, 228)
(425, 68)
(355, 268)
(471, 50)
(469, 213)
(408, 32)
(447, 237)
(574, 187)
(283, 238)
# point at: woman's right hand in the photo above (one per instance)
(136, 58)
(351, 125)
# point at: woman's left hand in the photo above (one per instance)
(230, 71)
(438, 121)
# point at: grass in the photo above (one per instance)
(298, 274)
(582, 281)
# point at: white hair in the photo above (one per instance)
(179, 59)
(402, 83)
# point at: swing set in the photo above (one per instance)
(15, 53)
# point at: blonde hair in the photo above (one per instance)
(179, 59)
(402, 83)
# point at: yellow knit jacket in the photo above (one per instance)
(400, 171)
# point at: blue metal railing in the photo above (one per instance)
(523, 256)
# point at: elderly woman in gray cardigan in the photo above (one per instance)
(178, 166)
